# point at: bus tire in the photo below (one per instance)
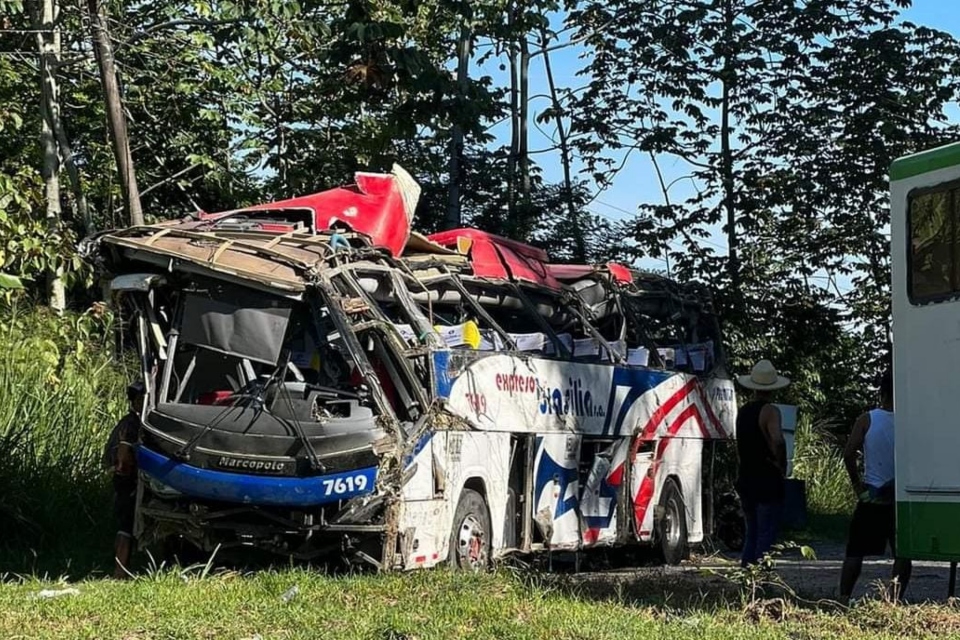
(672, 526)
(470, 537)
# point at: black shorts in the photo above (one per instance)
(124, 503)
(874, 526)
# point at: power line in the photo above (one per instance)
(615, 208)
(622, 210)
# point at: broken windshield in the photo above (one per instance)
(235, 343)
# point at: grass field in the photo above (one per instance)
(60, 394)
(435, 604)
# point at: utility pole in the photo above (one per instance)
(103, 49)
(48, 42)
(464, 47)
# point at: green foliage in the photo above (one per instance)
(29, 247)
(767, 109)
(61, 392)
(818, 460)
(10, 282)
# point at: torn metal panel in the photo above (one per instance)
(379, 206)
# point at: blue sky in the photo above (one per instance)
(637, 182)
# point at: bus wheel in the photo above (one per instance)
(672, 528)
(470, 537)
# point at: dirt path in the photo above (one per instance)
(812, 580)
(819, 578)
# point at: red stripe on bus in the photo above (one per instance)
(664, 409)
(616, 476)
(645, 494)
(710, 412)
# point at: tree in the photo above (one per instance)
(48, 40)
(786, 115)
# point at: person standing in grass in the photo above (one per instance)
(120, 455)
(874, 519)
(763, 462)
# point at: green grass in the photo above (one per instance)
(819, 462)
(60, 394)
(422, 605)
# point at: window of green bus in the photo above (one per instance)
(934, 261)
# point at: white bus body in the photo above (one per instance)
(925, 222)
(314, 392)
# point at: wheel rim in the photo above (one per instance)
(471, 544)
(671, 525)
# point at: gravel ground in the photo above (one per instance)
(816, 579)
(812, 580)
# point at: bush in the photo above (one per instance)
(818, 460)
(61, 391)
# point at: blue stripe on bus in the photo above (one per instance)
(253, 489)
(417, 448)
(443, 383)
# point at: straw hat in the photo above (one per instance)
(763, 377)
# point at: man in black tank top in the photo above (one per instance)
(763, 462)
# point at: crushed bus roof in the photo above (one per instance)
(284, 245)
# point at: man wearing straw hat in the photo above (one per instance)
(763, 461)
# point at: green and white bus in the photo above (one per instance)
(925, 245)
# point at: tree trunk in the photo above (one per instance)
(726, 155)
(573, 216)
(103, 49)
(281, 135)
(66, 154)
(48, 40)
(464, 46)
(514, 117)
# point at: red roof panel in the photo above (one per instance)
(492, 256)
(619, 272)
(379, 205)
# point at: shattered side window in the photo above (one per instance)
(461, 322)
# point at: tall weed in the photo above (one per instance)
(818, 460)
(61, 392)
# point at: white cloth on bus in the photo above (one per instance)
(529, 341)
(406, 331)
(878, 449)
(456, 335)
(698, 355)
(586, 348)
(565, 338)
(490, 340)
(619, 347)
(639, 357)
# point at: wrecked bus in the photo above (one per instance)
(322, 382)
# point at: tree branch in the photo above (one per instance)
(172, 24)
(168, 180)
(579, 39)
